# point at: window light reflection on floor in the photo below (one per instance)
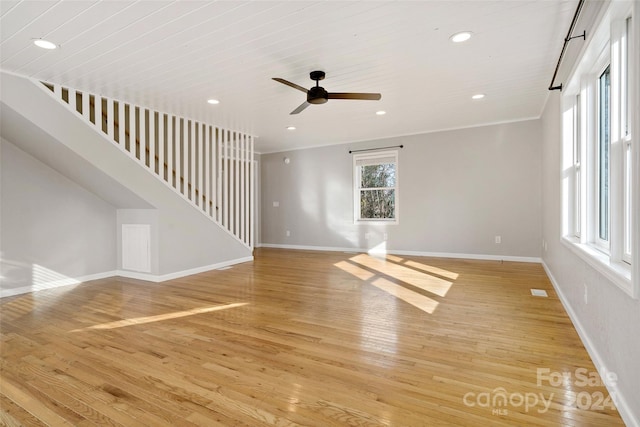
(384, 272)
(160, 317)
(411, 276)
(422, 302)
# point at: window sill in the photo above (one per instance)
(617, 272)
(376, 222)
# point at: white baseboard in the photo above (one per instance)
(408, 253)
(619, 399)
(69, 281)
(178, 274)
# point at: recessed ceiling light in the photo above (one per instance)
(461, 37)
(478, 96)
(291, 128)
(213, 101)
(381, 113)
(45, 44)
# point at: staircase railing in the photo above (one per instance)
(209, 166)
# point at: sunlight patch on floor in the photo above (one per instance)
(431, 269)
(160, 317)
(388, 274)
(422, 302)
(360, 273)
(420, 280)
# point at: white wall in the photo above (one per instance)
(52, 230)
(458, 190)
(609, 324)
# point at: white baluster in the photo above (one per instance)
(161, 149)
(252, 192)
(72, 99)
(152, 141)
(204, 164)
(236, 185)
(233, 187)
(86, 106)
(192, 180)
(217, 167)
(247, 202)
(225, 188)
(185, 157)
(213, 179)
(142, 131)
(201, 165)
(243, 189)
(171, 143)
(132, 131)
(110, 118)
(97, 112)
(122, 137)
(178, 153)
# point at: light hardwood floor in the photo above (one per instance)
(301, 338)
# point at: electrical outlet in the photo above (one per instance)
(288, 233)
(498, 239)
(367, 236)
(276, 204)
(385, 236)
(544, 245)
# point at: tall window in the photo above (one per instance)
(376, 185)
(599, 156)
(604, 142)
(626, 140)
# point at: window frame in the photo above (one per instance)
(357, 189)
(627, 134)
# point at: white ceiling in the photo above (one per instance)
(174, 55)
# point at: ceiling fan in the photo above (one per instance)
(318, 95)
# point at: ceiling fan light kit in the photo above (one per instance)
(318, 95)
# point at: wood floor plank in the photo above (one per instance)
(299, 338)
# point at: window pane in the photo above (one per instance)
(578, 128)
(626, 117)
(603, 156)
(577, 167)
(378, 176)
(627, 200)
(377, 204)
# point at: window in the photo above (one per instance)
(598, 152)
(604, 132)
(626, 139)
(376, 187)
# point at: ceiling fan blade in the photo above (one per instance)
(302, 106)
(347, 95)
(288, 83)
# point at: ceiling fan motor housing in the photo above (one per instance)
(317, 95)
